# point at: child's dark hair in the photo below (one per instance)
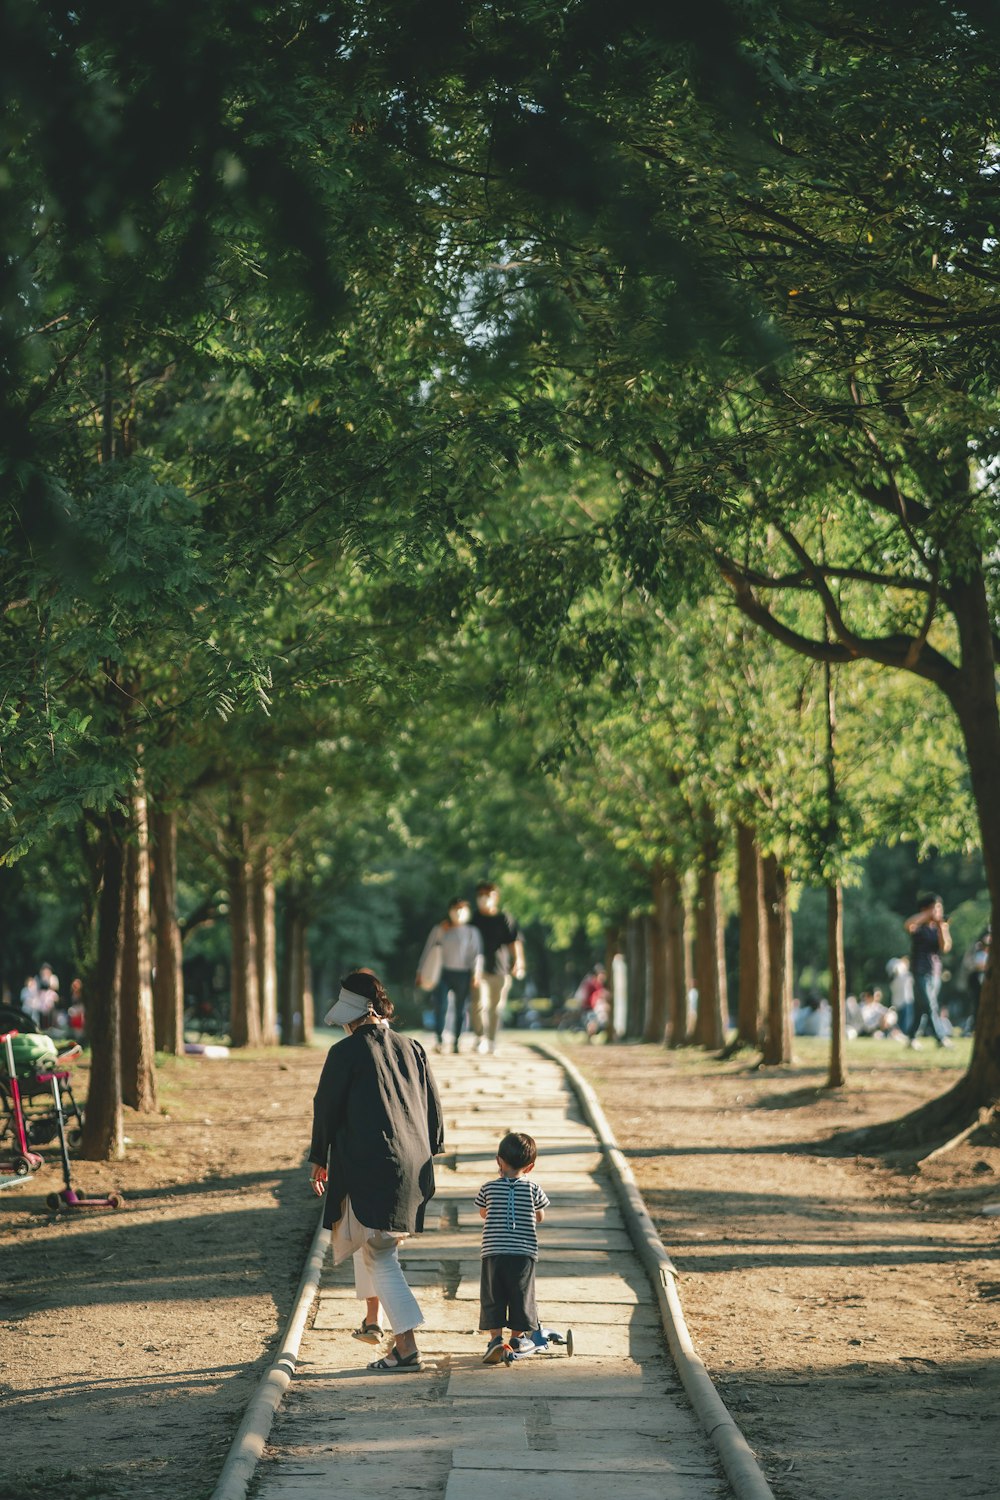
(517, 1150)
(366, 983)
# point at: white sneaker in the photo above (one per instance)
(483, 1045)
(491, 1047)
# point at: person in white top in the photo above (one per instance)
(901, 991)
(454, 951)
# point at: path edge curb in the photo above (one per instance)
(248, 1444)
(737, 1457)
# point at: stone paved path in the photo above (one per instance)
(457, 1430)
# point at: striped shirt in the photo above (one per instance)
(509, 1226)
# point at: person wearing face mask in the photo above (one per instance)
(377, 1125)
(503, 959)
(456, 949)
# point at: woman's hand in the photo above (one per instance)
(318, 1180)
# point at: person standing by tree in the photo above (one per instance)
(930, 939)
(503, 959)
(977, 973)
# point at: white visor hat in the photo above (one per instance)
(347, 1007)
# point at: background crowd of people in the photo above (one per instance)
(914, 1008)
(45, 1007)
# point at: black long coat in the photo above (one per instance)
(376, 1127)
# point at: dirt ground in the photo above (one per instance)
(131, 1341)
(848, 1314)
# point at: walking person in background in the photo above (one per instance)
(930, 940)
(376, 1127)
(503, 959)
(460, 959)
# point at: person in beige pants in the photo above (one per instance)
(503, 960)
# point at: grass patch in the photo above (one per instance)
(863, 1054)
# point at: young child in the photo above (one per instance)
(512, 1207)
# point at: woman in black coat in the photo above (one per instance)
(376, 1127)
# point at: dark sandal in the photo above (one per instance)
(398, 1364)
(369, 1333)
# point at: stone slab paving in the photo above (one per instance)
(459, 1428)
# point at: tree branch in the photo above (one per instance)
(889, 650)
(803, 579)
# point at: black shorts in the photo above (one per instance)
(507, 1293)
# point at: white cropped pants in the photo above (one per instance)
(377, 1273)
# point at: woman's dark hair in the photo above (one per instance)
(517, 1150)
(366, 983)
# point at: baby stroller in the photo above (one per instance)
(21, 1162)
(35, 1059)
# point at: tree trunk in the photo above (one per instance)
(680, 960)
(168, 976)
(264, 927)
(305, 967)
(974, 699)
(613, 943)
(658, 998)
(288, 982)
(688, 941)
(298, 1019)
(635, 952)
(614, 948)
(972, 694)
(753, 959)
(710, 969)
(778, 1037)
(834, 903)
(103, 1130)
(838, 985)
(244, 1011)
(138, 1048)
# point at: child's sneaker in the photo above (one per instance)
(495, 1351)
(522, 1344)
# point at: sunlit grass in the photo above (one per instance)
(867, 1052)
(862, 1054)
